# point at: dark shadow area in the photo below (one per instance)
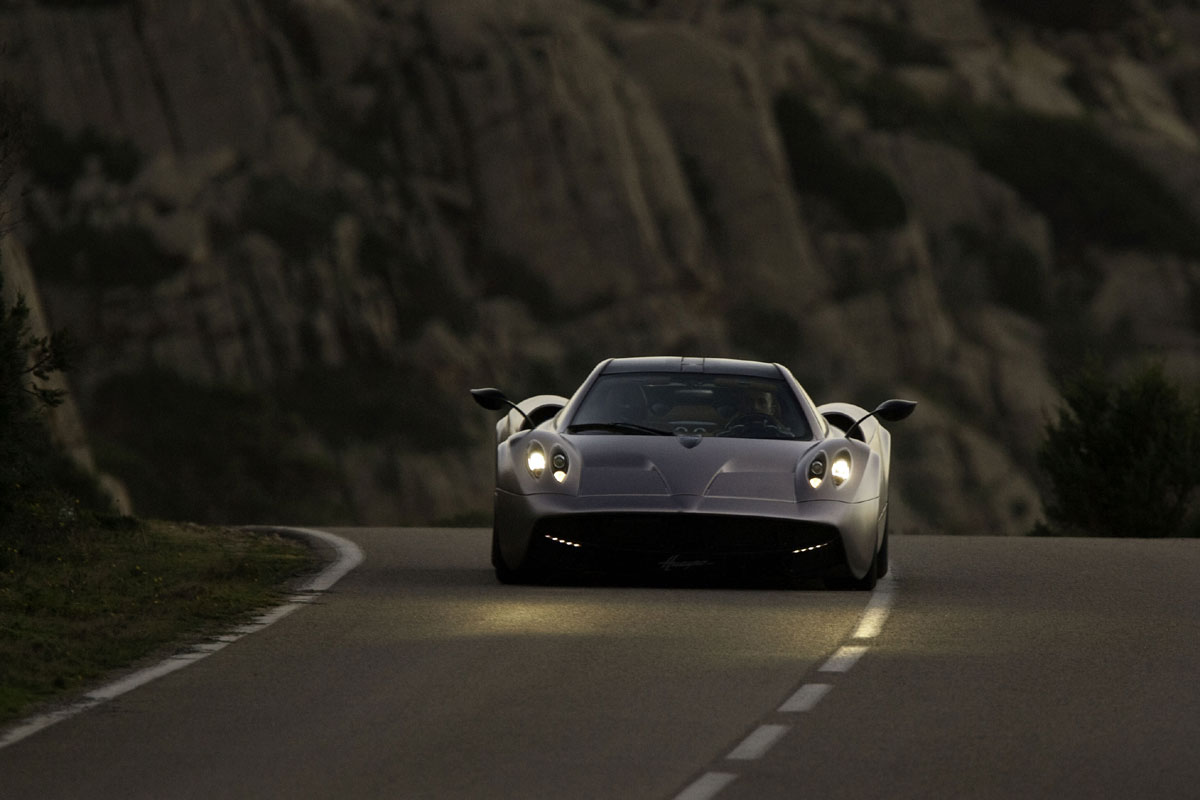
(713, 579)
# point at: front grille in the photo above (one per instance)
(700, 534)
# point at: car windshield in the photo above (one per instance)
(705, 405)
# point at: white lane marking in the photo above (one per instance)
(874, 616)
(758, 742)
(706, 786)
(348, 557)
(805, 698)
(843, 659)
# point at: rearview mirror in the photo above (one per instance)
(894, 410)
(491, 399)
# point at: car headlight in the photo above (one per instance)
(840, 471)
(535, 460)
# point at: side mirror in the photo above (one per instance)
(894, 410)
(495, 400)
(491, 399)
(889, 411)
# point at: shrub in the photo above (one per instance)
(40, 487)
(1120, 459)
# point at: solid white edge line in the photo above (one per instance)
(348, 557)
(758, 742)
(706, 786)
(805, 698)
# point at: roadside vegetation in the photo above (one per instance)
(1120, 459)
(84, 591)
(87, 594)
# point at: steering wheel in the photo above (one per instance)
(748, 420)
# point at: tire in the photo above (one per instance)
(881, 559)
(504, 573)
(844, 580)
(867, 582)
(512, 575)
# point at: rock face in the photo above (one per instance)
(351, 211)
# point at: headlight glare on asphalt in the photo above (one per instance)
(535, 460)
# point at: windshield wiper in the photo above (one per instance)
(617, 427)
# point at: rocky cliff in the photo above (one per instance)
(294, 232)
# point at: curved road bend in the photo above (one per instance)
(987, 668)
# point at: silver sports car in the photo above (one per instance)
(691, 465)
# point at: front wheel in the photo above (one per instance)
(881, 559)
(867, 582)
(844, 580)
(512, 575)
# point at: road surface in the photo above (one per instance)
(983, 667)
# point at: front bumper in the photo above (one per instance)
(686, 533)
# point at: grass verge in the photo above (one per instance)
(104, 595)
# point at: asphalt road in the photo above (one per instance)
(984, 667)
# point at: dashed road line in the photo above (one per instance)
(845, 658)
(348, 557)
(706, 786)
(874, 616)
(805, 698)
(765, 736)
(758, 742)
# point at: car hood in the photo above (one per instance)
(762, 469)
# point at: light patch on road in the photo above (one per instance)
(348, 557)
(758, 743)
